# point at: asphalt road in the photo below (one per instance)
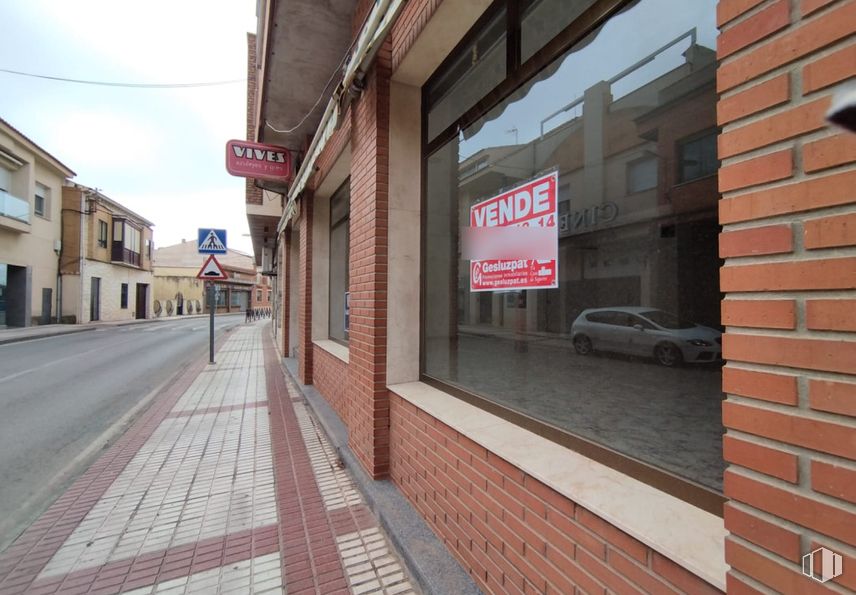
(64, 399)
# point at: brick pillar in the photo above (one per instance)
(304, 308)
(789, 239)
(368, 400)
(284, 281)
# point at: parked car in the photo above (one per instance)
(647, 332)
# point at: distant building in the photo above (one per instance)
(177, 290)
(106, 261)
(31, 182)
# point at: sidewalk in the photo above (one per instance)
(16, 334)
(225, 485)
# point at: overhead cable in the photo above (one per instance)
(129, 85)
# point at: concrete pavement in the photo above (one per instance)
(16, 334)
(225, 484)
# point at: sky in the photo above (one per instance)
(159, 152)
(520, 121)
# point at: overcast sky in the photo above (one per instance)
(160, 152)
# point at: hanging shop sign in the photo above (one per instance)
(527, 258)
(255, 160)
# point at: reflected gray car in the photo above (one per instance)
(647, 332)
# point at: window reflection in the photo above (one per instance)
(626, 350)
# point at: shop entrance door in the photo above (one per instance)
(142, 300)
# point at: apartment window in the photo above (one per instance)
(621, 351)
(258, 295)
(124, 297)
(148, 249)
(102, 234)
(41, 204)
(340, 211)
(697, 157)
(126, 242)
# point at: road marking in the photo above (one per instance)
(62, 359)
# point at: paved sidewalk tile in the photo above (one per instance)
(226, 485)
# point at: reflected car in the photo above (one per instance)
(645, 332)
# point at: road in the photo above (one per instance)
(64, 399)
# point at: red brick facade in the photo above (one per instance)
(331, 380)
(369, 403)
(788, 192)
(304, 293)
(788, 212)
(253, 194)
(510, 531)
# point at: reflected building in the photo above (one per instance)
(637, 201)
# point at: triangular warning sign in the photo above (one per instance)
(212, 242)
(211, 270)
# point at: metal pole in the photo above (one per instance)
(211, 305)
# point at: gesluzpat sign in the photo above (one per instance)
(531, 204)
(255, 160)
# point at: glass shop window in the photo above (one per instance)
(617, 342)
(340, 216)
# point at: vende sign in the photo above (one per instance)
(532, 204)
(254, 160)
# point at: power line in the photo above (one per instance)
(130, 85)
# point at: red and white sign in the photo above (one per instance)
(211, 270)
(255, 160)
(532, 204)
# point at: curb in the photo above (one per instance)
(429, 562)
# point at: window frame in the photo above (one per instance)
(518, 74)
(683, 142)
(119, 251)
(103, 234)
(45, 197)
(123, 297)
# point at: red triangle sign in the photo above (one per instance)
(211, 270)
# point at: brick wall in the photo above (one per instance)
(284, 281)
(368, 402)
(512, 533)
(253, 194)
(304, 293)
(413, 18)
(331, 379)
(789, 215)
(334, 147)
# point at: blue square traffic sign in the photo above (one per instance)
(212, 241)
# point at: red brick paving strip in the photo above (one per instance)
(310, 558)
(22, 561)
(164, 565)
(204, 410)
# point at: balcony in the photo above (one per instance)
(14, 212)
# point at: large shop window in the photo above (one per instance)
(340, 216)
(621, 355)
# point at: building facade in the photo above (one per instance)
(31, 182)
(179, 292)
(106, 259)
(672, 409)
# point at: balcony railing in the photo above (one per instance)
(14, 207)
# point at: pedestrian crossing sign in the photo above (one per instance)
(212, 270)
(212, 241)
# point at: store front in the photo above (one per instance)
(639, 419)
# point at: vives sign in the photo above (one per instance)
(255, 160)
